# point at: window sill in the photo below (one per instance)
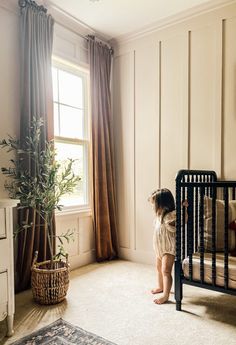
(74, 210)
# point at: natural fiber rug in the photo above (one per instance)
(61, 332)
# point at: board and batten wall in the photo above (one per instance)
(68, 46)
(174, 105)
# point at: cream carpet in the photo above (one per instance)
(113, 301)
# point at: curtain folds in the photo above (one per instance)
(36, 39)
(102, 144)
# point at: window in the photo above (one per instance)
(71, 126)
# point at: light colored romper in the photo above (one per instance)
(164, 235)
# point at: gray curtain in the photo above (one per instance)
(36, 39)
(102, 143)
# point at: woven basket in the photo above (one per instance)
(49, 285)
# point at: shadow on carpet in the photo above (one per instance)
(61, 332)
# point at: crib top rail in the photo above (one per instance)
(209, 184)
(184, 175)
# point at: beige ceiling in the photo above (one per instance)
(114, 18)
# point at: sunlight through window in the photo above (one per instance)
(71, 127)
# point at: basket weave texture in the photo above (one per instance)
(49, 281)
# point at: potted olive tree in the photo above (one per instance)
(41, 191)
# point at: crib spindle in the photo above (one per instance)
(178, 265)
(207, 179)
(213, 237)
(196, 216)
(233, 193)
(211, 188)
(201, 227)
(183, 225)
(178, 223)
(190, 231)
(226, 239)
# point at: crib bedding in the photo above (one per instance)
(208, 269)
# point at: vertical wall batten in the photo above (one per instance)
(159, 134)
(134, 244)
(222, 96)
(189, 97)
(220, 101)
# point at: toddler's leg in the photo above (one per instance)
(159, 287)
(167, 264)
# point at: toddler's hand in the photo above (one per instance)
(185, 203)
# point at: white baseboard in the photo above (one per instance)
(84, 259)
(137, 256)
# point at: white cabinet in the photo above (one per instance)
(7, 297)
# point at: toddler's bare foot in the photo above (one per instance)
(161, 300)
(157, 290)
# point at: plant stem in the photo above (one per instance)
(48, 229)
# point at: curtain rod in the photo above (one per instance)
(86, 37)
(94, 38)
(24, 3)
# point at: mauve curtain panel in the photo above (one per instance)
(36, 39)
(105, 221)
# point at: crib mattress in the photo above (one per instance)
(208, 269)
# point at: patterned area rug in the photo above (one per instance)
(61, 332)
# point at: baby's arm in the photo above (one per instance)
(185, 204)
(172, 223)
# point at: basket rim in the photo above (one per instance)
(51, 270)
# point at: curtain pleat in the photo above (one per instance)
(105, 223)
(36, 39)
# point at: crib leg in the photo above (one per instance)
(178, 285)
(178, 305)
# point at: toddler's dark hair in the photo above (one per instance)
(163, 200)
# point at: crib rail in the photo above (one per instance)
(192, 237)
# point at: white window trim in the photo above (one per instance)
(86, 209)
(82, 211)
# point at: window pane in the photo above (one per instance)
(70, 89)
(74, 151)
(71, 122)
(54, 81)
(56, 119)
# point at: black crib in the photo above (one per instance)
(196, 186)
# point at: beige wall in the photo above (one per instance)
(69, 46)
(9, 83)
(174, 108)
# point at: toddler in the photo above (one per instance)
(163, 204)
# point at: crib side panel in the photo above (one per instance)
(203, 240)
